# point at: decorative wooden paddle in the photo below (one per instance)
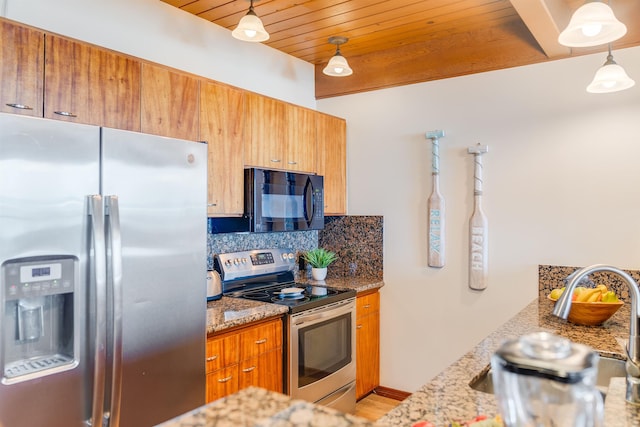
(478, 227)
(435, 226)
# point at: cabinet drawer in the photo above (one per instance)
(222, 352)
(260, 339)
(262, 371)
(367, 304)
(222, 383)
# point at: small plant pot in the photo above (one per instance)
(319, 273)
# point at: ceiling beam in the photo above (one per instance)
(545, 19)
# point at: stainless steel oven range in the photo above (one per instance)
(320, 364)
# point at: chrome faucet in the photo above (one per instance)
(563, 306)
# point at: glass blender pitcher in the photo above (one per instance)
(542, 379)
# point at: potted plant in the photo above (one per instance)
(319, 259)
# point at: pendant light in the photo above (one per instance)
(338, 65)
(250, 28)
(592, 24)
(611, 77)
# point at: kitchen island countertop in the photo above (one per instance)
(448, 397)
(445, 398)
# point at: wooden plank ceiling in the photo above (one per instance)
(398, 42)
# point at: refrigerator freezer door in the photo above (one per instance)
(47, 169)
(161, 187)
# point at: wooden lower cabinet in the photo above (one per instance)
(367, 343)
(247, 356)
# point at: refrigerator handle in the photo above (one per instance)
(99, 266)
(115, 257)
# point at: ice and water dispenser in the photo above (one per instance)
(38, 317)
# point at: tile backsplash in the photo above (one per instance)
(357, 240)
(232, 242)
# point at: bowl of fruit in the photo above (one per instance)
(590, 306)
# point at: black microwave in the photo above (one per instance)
(276, 201)
(283, 201)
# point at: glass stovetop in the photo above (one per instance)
(297, 296)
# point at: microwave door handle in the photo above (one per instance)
(115, 243)
(309, 206)
(99, 261)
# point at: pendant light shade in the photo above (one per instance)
(338, 65)
(250, 28)
(611, 77)
(592, 24)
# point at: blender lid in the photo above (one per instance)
(546, 355)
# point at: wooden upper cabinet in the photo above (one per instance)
(170, 103)
(300, 154)
(332, 162)
(114, 98)
(87, 84)
(222, 126)
(264, 132)
(21, 69)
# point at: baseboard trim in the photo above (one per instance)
(391, 393)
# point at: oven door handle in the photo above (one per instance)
(323, 314)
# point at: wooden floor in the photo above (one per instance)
(373, 406)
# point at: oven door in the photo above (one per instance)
(322, 352)
(284, 201)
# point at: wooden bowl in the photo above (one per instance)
(591, 313)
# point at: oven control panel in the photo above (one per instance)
(236, 265)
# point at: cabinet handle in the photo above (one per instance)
(367, 306)
(292, 163)
(276, 160)
(212, 358)
(20, 106)
(262, 341)
(224, 380)
(359, 327)
(249, 369)
(212, 204)
(65, 114)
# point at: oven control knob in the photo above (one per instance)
(228, 263)
(291, 256)
(236, 261)
(285, 256)
(243, 260)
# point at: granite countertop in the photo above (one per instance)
(445, 398)
(228, 312)
(258, 407)
(448, 397)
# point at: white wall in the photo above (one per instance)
(562, 187)
(161, 33)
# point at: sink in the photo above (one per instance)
(607, 368)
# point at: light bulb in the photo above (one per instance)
(591, 29)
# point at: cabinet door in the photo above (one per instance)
(114, 90)
(263, 371)
(222, 352)
(222, 125)
(170, 103)
(301, 139)
(367, 354)
(222, 383)
(332, 162)
(264, 132)
(87, 84)
(66, 75)
(21, 69)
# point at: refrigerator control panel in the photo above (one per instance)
(38, 276)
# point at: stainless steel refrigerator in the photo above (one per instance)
(102, 275)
